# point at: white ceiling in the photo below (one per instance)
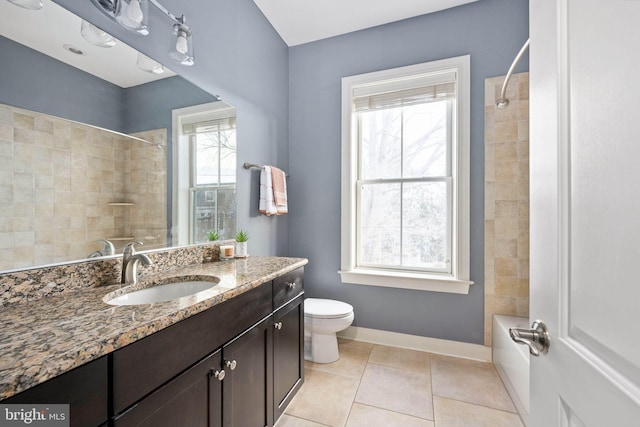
(48, 29)
(303, 21)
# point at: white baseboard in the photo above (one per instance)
(432, 345)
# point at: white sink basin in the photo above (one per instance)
(160, 293)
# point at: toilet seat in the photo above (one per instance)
(326, 308)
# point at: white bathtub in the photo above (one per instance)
(512, 361)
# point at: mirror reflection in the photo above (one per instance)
(97, 151)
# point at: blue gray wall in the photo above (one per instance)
(37, 82)
(492, 32)
(241, 58)
(149, 106)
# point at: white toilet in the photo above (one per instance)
(322, 319)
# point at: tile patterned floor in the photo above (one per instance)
(373, 385)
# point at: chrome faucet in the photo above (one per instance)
(107, 249)
(130, 260)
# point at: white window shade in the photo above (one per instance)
(403, 98)
(221, 119)
(410, 90)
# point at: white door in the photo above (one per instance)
(585, 211)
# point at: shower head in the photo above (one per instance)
(502, 102)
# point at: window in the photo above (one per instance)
(405, 177)
(206, 172)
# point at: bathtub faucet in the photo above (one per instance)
(537, 338)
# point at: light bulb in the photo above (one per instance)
(96, 36)
(134, 12)
(182, 45)
(182, 50)
(149, 65)
(132, 16)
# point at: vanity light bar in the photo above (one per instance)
(110, 8)
(135, 18)
(164, 10)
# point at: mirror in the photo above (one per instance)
(91, 147)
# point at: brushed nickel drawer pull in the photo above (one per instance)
(218, 374)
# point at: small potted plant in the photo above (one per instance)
(213, 236)
(241, 244)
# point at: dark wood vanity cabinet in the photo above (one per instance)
(256, 339)
(237, 364)
(145, 365)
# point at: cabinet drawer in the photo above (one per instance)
(85, 389)
(287, 287)
(143, 366)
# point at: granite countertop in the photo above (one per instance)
(44, 338)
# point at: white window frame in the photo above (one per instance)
(458, 280)
(182, 159)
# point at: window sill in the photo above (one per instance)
(405, 280)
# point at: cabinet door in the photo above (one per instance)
(288, 354)
(248, 383)
(85, 389)
(192, 399)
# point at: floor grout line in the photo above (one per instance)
(433, 400)
(363, 357)
(353, 402)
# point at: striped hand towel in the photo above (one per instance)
(267, 204)
(279, 181)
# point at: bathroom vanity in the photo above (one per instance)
(235, 359)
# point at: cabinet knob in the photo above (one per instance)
(218, 374)
(231, 364)
(291, 285)
(277, 325)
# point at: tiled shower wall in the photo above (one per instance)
(506, 232)
(146, 185)
(57, 179)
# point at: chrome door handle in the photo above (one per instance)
(537, 338)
